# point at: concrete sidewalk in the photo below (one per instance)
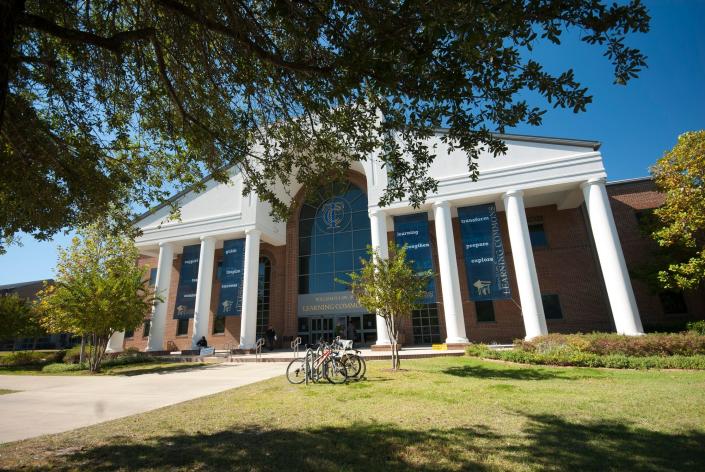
(52, 404)
(409, 352)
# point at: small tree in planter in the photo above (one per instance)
(99, 290)
(391, 288)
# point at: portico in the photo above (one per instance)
(566, 176)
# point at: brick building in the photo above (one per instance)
(532, 247)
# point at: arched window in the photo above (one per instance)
(334, 232)
(263, 289)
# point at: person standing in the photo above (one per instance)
(271, 336)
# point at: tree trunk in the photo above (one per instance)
(82, 355)
(9, 11)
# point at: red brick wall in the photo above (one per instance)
(567, 267)
(626, 199)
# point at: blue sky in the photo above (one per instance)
(635, 124)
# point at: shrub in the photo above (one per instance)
(73, 355)
(27, 358)
(127, 359)
(697, 327)
(656, 344)
(587, 359)
(61, 367)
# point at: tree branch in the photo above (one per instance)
(241, 39)
(114, 43)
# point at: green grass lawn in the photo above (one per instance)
(439, 414)
(131, 369)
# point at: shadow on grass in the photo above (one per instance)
(481, 372)
(20, 368)
(610, 445)
(131, 371)
(549, 442)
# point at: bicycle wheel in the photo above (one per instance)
(296, 371)
(335, 372)
(353, 365)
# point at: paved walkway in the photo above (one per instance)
(52, 404)
(411, 352)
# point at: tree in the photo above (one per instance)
(114, 102)
(14, 312)
(680, 175)
(99, 290)
(391, 288)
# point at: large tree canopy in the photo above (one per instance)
(105, 103)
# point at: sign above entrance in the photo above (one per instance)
(485, 264)
(330, 303)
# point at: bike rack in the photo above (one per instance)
(258, 349)
(295, 346)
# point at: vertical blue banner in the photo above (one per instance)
(231, 278)
(485, 264)
(188, 283)
(412, 230)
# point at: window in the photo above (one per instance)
(219, 271)
(182, 327)
(334, 232)
(263, 288)
(218, 324)
(537, 233)
(672, 302)
(552, 307)
(153, 277)
(485, 311)
(145, 328)
(425, 324)
(130, 333)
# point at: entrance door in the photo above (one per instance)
(321, 328)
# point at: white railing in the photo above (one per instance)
(258, 349)
(295, 346)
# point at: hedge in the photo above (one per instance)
(30, 358)
(651, 351)
(656, 344)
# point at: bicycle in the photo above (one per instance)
(323, 363)
(352, 359)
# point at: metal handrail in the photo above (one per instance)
(295, 346)
(258, 349)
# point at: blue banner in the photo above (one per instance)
(485, 264)
(231, 278)
(188, 283)
(412, 230)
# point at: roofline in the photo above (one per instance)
(23, 284)
(594, 145)
(176, 196)
(588, 143)
(629, 181)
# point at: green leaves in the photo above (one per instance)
(99, 288)
(110, 103)
(390, 287)
(679, 175)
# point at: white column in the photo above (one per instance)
(450, 284)
(524, 267)
(203, 290)
(378, 238)
(248, 319)
(609, 251)
(115, 342)
(156, 329)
